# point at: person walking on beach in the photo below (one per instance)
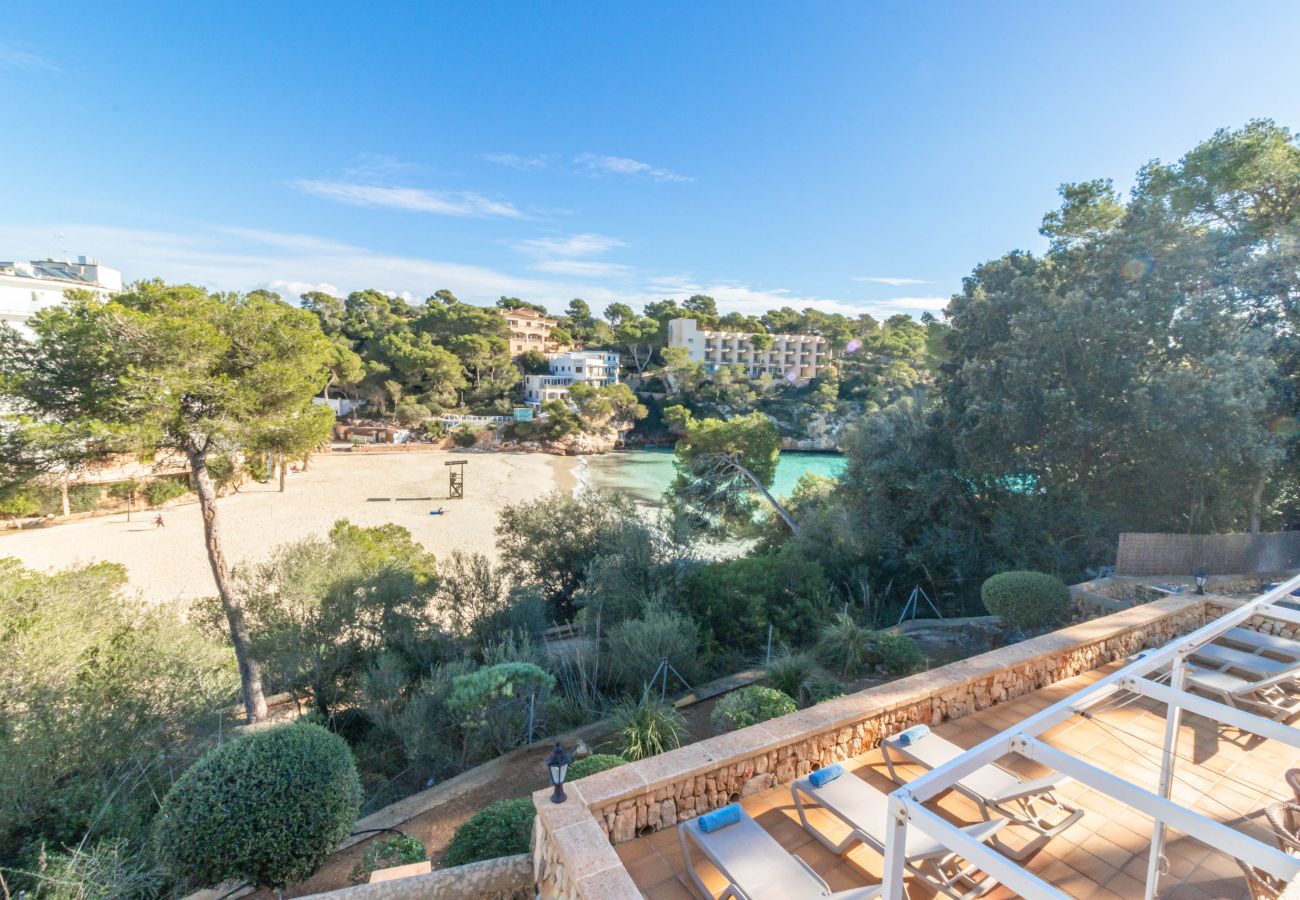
(158, 521)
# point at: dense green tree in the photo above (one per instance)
(295, 436)
(516, 303)
(721, 464)
(552, 540)
(319, 611)
(1151, 379)
(174, 369)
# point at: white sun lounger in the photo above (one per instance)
(755, 866)
(1258, 642)
(865, 811)
(1226, 659)
(1275, 697)
(1032, 804)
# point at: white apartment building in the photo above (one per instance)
(801, 356)
(596, 368)
(26, 287)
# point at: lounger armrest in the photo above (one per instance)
(1030, 788)
(826, 888)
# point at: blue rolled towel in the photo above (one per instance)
(912, 735)
(825, 774)
(720, 818)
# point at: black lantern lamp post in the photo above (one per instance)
(1201, 579)
(558, 763)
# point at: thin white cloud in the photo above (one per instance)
(294, 289)
(304, 242)
(910, 304)
(569, 255)
(586, 244)
(598, 166)
(892, 282)
(583, 268)
(446, 203)
(22, 58)
(374, 167)
(523, 163)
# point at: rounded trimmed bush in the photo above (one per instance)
(268, 808)
(590, 765)
(749, 706)
(1026, 599)
(502, 829)
(464, 436)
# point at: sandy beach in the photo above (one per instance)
(365, 488)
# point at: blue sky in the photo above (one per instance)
(852, 157)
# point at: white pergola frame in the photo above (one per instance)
(907, 804)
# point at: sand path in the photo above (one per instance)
(365, 488)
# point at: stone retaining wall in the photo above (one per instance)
(573, 854)
(507, 878)
(1217, 606)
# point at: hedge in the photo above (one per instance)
(590, 765)
(502, 829)
(1026, 599)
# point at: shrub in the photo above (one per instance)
(638, 645)
(426, 728)
(899, 654)
(398, 850)
(749, 706)
(125, 490)
(820, 690)
(102, 697)
(492, 704)
(648, 727)
(503, 829)
(160, 491)
(30, 499)
(520, 431)
(226, 471)
(268, 808)
(735, 600)
(84, 497)
(847, 647)
(790, 672)
(1026, 599)
(597, 762)
(109, 870)
(464, 436)
(410, 413)
(534, 362)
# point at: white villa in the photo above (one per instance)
(596, 368)
(801, 355)
(26, 287)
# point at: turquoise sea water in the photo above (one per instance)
(646, 474)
